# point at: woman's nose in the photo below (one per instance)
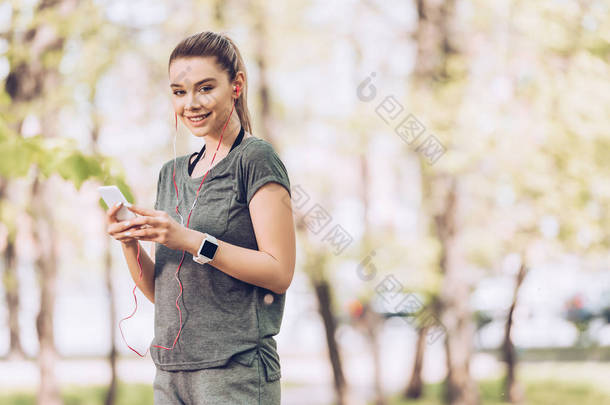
(193, 102)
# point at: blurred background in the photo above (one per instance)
(450, 187)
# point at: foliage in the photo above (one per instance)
(59, 156)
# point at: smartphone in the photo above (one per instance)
(111, 196)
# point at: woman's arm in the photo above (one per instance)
(249, 265)
(147, 284)
(123, 232)
(270, 267)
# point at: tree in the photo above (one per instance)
(435, 50)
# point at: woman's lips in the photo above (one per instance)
(198, 122)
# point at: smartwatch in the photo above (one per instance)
(207, 249)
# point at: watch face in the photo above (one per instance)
(208, 249)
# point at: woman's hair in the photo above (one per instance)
(208, 43)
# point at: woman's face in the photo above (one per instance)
(200, 89)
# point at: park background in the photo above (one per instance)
(450, 186)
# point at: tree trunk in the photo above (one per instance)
(112, 356)
(415, 388)
(374, 340)
(218, 7)
(10, 281)
(322, 290)
(511, 385)
(373, 322)
(260, 34)
(30, 79)
(456, 317)
(434, 46)
(46, 265)
(315, 269)
(460, 388)
(432, 37)
(11, 289)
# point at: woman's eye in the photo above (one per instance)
(206, 88)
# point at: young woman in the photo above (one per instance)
(225, 246)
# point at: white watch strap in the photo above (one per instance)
(201, 258)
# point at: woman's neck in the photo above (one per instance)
(230, 134)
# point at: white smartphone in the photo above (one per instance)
(111, 196)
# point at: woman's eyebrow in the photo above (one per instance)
(196, 84)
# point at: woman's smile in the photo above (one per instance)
(198, 120)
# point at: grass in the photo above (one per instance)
(538, 392)
(127, 394)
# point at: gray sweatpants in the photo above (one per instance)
(232, 384)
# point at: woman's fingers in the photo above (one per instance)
(142, 233)
(125, 239)
(111, 212)
(143, 227)
(128, 228)
(141, 221)
(142, 211)
(119, 227)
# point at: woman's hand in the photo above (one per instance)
(157, 226)
(117, 229)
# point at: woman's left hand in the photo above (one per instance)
(157, 226)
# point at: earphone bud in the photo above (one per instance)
(237, 89)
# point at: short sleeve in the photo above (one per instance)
(261, 165)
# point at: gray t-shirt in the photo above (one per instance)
(222, 316)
